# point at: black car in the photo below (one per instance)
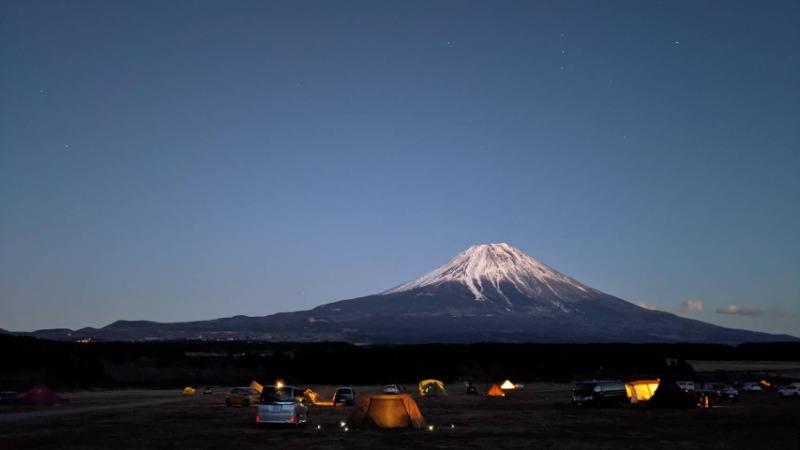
(10, 398)
(718, 392)
(600, 393)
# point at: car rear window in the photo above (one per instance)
(277, 395)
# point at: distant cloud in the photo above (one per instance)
(686, 306)
(692, 305)
(741, 310)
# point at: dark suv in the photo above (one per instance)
(720, 391)
(344, 395)
(600, 393)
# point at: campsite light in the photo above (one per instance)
(279, 384)
(430, 427)
(319, 427)
(342, 424)
(346, 429)
(452, 425)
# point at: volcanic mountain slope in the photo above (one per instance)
(496, 292)
(487, 293)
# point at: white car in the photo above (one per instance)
(751, 387)
(391, 389)
(790, 391)
(686, 385)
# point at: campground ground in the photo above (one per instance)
(538, 416)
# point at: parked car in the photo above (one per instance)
(751, 387)
(472, 390)
(790, 391)
(391, 389)
(282, 405)
(10, 398)
(208, 390)
(720, 391)
(686, 385)
(243, 396)
(600, 393)
(344, 395)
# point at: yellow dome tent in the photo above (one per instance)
(189, 390)
(431, 388)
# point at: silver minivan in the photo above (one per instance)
(282, 405)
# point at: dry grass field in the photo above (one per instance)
(538, 416)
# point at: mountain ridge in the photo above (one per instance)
(487, 293)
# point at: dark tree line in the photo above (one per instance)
(26, 361)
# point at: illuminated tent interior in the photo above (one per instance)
(641, 390)
(508, 385)
(189, 390)
(431, 388)
(386, 411)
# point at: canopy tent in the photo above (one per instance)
(671, 396)
(386, 411)
(256, 386)
(495, 391)
(431, 388)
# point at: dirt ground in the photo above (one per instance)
(538, 416)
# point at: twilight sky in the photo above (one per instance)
(185, 160)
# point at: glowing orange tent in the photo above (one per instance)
(495, 391)
(386, 411)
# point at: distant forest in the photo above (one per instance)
(26, 361)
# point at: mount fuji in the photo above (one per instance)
(487, 293)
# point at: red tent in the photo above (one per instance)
(41, 395)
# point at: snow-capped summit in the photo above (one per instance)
(496, 271)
